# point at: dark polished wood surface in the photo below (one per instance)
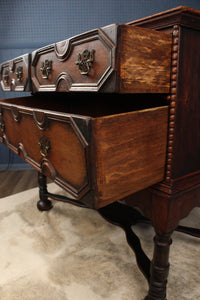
(150, 141)
(114, 59)
(166, 203)
(110, 155)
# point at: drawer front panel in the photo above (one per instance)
(51, 143)
(81, 63)
(15, 74)
(111, 59)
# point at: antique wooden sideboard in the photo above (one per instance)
(114, 119)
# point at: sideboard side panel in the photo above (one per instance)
(186, 148)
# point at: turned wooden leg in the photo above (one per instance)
(159, 268)
(43, 204)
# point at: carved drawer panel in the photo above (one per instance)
(50, 142)
(15, 74)
(116, 58)
(99, 157)
(80, 63)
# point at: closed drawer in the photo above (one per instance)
(114, 59)
(15, 74)
(81, 63)
(100, 157)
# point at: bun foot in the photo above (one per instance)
(44, 205)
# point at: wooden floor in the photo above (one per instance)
(12, 182)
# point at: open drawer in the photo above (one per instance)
(96, 153)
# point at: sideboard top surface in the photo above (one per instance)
(181, 15)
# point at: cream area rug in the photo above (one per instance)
(71, 253)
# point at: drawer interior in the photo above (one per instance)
(90, 104)
(113, 146)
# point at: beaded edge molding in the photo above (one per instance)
(172, 98)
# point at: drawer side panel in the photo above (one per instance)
(130, 152)
(144, 57)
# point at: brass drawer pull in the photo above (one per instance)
(45, 145)
(85, 61)
(19, 73)
(46, 68)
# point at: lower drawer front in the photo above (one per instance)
(110, 155)
(51, 143)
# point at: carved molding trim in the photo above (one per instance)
(5, 76)
(63, 49)
(47, 168)
(63, 82)
(38, 52)
(40, 119)
(21, 149)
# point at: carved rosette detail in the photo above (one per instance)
(172, 99)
